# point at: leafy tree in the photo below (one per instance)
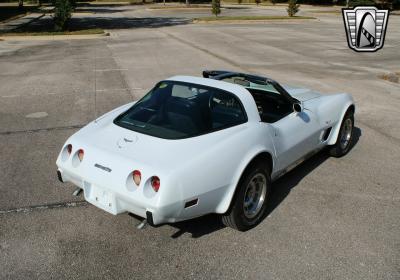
(62, 14)
(396, 4)
(353, 3)
(385, 4)
(216, 7)
(293, 8)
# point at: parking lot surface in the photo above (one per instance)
(328, 218)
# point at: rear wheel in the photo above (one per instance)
(345, 137)
(249, 203)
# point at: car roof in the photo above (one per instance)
(242, 93)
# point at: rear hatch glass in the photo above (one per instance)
(176, 110)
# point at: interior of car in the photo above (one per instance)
(271, 105)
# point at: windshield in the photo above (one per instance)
(175, 110)
(252, 84)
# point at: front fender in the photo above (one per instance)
(347, 102)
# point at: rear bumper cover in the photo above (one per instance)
(116, 202)
(59, 176)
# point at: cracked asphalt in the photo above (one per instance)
(328, 218)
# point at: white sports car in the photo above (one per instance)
(194, 146)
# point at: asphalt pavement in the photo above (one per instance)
(328, 218)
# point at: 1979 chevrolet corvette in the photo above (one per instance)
(194, 146)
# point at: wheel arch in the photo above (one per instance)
(335, 131)
(264, 156)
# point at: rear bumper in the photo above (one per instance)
(113, 202)
(59, 176)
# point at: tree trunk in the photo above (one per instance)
(20, 3)
(187, 3)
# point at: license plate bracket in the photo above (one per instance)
(102, 198)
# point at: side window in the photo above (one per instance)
(184, 91)
(271, 107)
(226, 110)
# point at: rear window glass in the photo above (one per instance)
(175, 110)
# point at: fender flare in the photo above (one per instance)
(226, 201)
(336, 128)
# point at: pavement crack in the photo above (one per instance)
(379, 131)
(42, 129)
(29, 209)
(227, 60)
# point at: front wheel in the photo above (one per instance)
(345, 137)
(249, 203)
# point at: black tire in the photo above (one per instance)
(339, 149)
(236, 217)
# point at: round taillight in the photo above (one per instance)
(137, 177)
(155, 183)
(80, 154)
(69, 149)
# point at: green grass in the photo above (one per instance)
(327, 12)
(92, 31)
(105, 1)
(239, 18)
(191, 6)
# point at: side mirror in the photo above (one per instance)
(297, 107)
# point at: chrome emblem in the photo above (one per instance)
(365, 28)
(122, 142)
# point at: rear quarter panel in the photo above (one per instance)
(212, 176)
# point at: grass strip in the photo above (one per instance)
(240, 18)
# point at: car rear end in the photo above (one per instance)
(151, 159)
(118, 170)
(114, 183)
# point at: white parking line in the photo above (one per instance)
(350, 195)
(112, 89)
(107, 70)
(44, 207)
(62, 60)
(54, 93)
(29, 94)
